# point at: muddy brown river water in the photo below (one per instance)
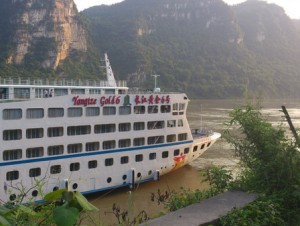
(206, 114)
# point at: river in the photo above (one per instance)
(206, 114)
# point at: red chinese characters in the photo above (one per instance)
(152, 99)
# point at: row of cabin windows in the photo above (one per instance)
(38, 113)
(36, 152)
(56, 169)
(34, 133)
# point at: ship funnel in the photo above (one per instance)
(109, 73)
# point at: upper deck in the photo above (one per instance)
(20, 88)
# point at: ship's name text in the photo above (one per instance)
(115, 100)
(84, 101)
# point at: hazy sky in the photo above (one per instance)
(292, 7)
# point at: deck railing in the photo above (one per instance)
(58, 82)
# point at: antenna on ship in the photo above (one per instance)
(109, 73)
(156, 89)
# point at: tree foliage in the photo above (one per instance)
(270, 161)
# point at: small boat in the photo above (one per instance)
(90, 136)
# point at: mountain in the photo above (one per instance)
(205, 48)
(42, 36)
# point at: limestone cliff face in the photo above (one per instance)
(47, 32)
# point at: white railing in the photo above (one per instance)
(60, 82)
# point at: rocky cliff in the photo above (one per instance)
(46, 32)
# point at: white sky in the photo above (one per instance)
(291, 7)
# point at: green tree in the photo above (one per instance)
(270, 161)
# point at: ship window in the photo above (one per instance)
(74, 112)
(35, 152)
(140, 141)
(105, 128)
(92, 164)
(12, 134)
(208, 144)
(12, 175)
(109, 91)
(139, 110)
(92, 146)
(34, 113)
(34, 133)
(22, 93)
(182, 136)
(77, 91)
(171, 138)
(4, 93)
(55, 150)
(92, 111)
(124, 143)
(171, 123)
(165, 108)
(11, 114)
(176, 152)
(156, 140)
(55, 131)
(95, 91)
(124, 159)
(165, 154)
(155, 125)
(175, 107)
(180, 123)
(75, 166)
(152, 109)
(124, 110)
(109, 110)
(139, 158)
(78, 130)
(12, 154)
(34, 193)
(152, 156)
(186, 150)
(109, 162)
(60, 92)
(181, 106)
(195, 148)
(34, 172)
(55, 112)
(202, 146)
(139, 126)
(55, 169)
(124, 127)
(109, 144)
(74, 148)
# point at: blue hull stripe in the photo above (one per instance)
(8, 163)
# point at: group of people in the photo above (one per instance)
(48, 94)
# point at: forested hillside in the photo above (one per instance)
(205, 48)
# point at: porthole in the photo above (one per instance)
(55, 188)
(75, 186)
(149, 172)
(108, 180)
(12, 197)
(124, 177)
(139, 174)
(34, 193)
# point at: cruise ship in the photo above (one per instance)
(90, 136)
